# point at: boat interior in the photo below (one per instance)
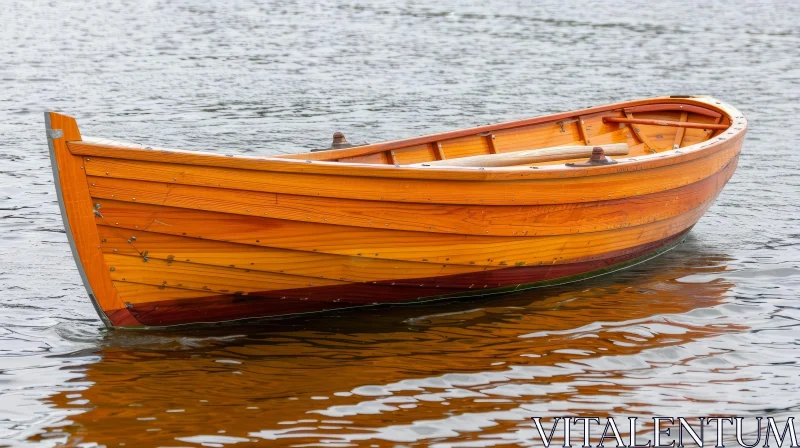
(638, 130)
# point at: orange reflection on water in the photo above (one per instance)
(452, 372)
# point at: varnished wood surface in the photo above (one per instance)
(678, 140)
(269, 303)
(261, 258)
(379, 168)
(678, 124)
(177, 228)
(385, 243)
(381, 147)
(510, 192)
(203, 277)
(552, 130)
(533, 156)
(78, 207)
(477, 219)
(660, 107)
(135, 245)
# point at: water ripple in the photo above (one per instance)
(712, 327)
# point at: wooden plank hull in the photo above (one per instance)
(169, 237)
(227, 307)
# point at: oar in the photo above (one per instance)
(530, 156)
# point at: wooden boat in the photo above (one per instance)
(167, 237)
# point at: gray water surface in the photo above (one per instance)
(710, 328)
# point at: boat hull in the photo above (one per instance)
(326, 298)
(169, 238)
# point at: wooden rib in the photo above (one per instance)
(390, 158)
(438, 151)
(201, 277)
(711, 132)
(462, 219)
(388, 244)
(678, 124)
(490, 141)
(593, 131)
(584, 135)
(546, 191)
(77, 204)
(268, 259)
(649, 146)
(681, 131)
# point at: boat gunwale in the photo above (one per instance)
(735, 130)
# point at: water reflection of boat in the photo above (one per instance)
(168, 237)
(482, 357)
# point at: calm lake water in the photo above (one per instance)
(710, 328)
